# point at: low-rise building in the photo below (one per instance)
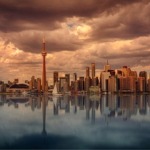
(17, 88)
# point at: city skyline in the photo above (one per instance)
(77, 33)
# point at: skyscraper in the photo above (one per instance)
(144, 75)
(87, 79)
(67, 76)
(127, 84)
(55, 77)
(74, 76)
(44, 53)
(33, 83)
(141, 84)
(66, 83)
(126, 71)
(93, 70)
(104, 81)
(87, 84)
(87, 72)
(107, 67)
(39, 84)
(81, 84)
(62, 82)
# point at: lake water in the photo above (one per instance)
(74, 122)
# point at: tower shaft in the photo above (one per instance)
(44, 53)
(44, 75)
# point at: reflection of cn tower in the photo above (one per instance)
(93, 111)
(44, 114)
(44, 53)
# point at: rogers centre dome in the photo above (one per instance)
(19, 86)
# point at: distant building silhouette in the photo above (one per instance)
(55, 77)
(93, 72)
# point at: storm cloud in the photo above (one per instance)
(37, 14)
(23, 18)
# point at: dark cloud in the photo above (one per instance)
(32, 41)
(22, 22)
(37, 14)
(130, 21)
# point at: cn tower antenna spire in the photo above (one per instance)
(44, 44)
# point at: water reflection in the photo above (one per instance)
(44, 104)
(97, 111)
(123, 106)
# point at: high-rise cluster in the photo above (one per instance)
(35, 85)
(109, 80)
(62, 83)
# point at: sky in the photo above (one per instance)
(77, 33)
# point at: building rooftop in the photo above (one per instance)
(19, 86)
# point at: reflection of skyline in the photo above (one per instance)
(112, 106)
(40, 126)
(70, 114)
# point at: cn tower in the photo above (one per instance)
(44, 53)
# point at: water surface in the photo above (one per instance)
(80, 122)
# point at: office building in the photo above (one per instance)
(107, 67)
(133, 73)
(112, 72)
(93, 73)
(33, 83)
(30, 85)
(104, 81)
(76, 86)
(87, 84)
(87, 72)
(65, 87)
(55, 77)
(81, 84)
(144, 75)
(118, 73)
(67, 76)
(127, 84)
(93, 70)
(148, 85)
(16, 81)
(126, 71)
(88, 81)
(3, 87)
(74, 76)
(95, 81)
(112, 84)
(62, 82)
(39, 85)
(141, 84)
